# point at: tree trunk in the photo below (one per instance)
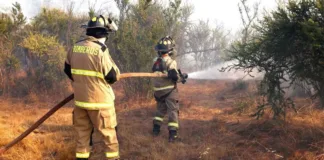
(321, 94)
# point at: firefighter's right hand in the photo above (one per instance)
(111, 77)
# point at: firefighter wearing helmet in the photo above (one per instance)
(165, 89)
(92, 71)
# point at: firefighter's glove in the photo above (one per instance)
(184, 77)
(67, 70)
(173, 75)
(111, 77)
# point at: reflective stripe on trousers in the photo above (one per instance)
(87, 73)
(158, 119)
(93, 106)
(163, 88)
(173, 124)
(112, 154)
(82, 155)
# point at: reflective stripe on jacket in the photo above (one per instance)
(89, 65)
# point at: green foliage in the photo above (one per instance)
(286, 43)
(47, 57)
(55, 22)
(11, 32)
(38, 48)
(39, 45)
(18, 17)
(142, 26)
(207, 44)
(12, 22)
(51, 21)
(172, 15)
(5, 24)
(240, 85)
(11, 63)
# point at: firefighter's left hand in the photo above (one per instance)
(173, 75)
(184, 77)
(111, 77)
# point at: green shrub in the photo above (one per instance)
(240, 85)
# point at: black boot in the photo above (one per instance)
(82, 159)
(156, 129)
(173, 135)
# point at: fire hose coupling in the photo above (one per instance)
(184, 76)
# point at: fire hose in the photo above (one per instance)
(65, 101)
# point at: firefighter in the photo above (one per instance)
(165, 89)
(92, 70)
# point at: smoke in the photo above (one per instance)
(214, 73)
(29, 8)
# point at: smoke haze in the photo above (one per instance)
(214, 73)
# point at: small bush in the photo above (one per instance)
(239, 85)
(46, 55)
(244, 106)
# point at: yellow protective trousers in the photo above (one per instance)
(104, 138)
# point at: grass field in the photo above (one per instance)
(215, 124)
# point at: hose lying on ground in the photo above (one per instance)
(65, 101)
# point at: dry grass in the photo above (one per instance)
(52, 140)
(215, 124)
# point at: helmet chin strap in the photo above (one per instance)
(169, 53)
(107, 37)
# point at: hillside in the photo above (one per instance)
(215, 124)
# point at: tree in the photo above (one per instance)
(206, 44)
(56, 22)
(140, 28)
(179, 28)
(11, 30)
(248, 18)
(286, 43)
(172, 15)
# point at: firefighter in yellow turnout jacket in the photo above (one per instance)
(92, 70)
(165, 90)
